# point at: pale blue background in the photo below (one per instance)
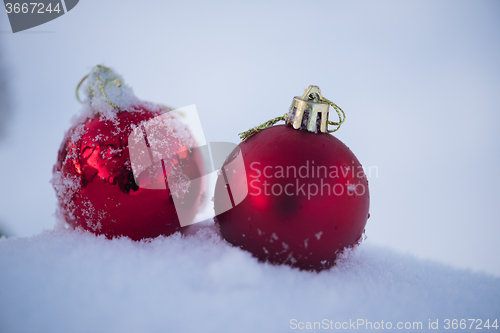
(419, 81)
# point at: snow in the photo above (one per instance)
(106, 92)
(73, 281)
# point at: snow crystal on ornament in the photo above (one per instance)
(66, 186)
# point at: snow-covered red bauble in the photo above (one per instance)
(93, 177)
(307, 195)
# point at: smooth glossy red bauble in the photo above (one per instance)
(95, 184)
(307, 198)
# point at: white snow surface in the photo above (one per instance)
(74, 281)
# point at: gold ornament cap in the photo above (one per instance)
(309, 112)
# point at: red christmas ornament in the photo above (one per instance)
(307, 193)
(93, 176)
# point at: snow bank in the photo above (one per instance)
(73, 281)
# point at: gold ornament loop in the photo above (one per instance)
(101, 88)
(310, 102)
(78, 88)
(245, 135)
(115, 81)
